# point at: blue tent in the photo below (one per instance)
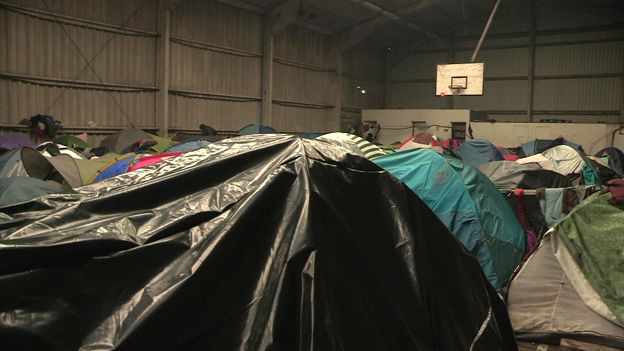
(190, 145)
(114, 169)
(256, 129)
(478, 151)
(468, 203)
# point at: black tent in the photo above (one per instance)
(267, 242)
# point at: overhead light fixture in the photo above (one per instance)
(363, 91)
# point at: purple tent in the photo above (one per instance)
(10, 142)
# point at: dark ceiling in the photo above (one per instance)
(409, 20)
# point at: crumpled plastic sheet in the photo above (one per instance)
(257, 243)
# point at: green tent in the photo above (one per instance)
(593, 233)
(72, 142)
(89, 169)
(122, 141)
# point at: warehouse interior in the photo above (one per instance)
(165, 130)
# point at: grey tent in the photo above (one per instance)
(29, 162)
(508, 175)
(549, 299)
(567, 159)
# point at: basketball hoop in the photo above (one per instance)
(457, 89)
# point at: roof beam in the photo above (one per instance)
(285, 13)
(360, 31)
(244, 5)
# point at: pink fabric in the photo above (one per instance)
(616, 188)
(511, 157)
(150, 160)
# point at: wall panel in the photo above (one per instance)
(209, 71)
(77, 107)
(302, 45)
(362, 70)
(43, 72)
(364, 64)
(497, 95)
(352, 96)
(414, 95)
(295, 84)
(580, 59)
(578, 72)
(37, 47)
(113, 12)
(189, 113)
(419, 66)
(297, 119)
(217, 24)
(215, 67)
(578, 94)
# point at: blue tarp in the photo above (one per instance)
(478, 151)
(468, 203)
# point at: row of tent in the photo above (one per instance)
(469, 201)
(570, 287)
(248, 243)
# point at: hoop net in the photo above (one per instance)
(457, 89)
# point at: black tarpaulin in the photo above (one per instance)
(257, 243)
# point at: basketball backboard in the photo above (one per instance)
(460, 79)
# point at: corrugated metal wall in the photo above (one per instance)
(215, 68)
(41, 71)
(578, 75)
(305, 80)
(362, 70)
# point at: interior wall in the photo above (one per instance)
(215, 68)
(593, 137)
(42, 71)
(305, 80)
(578, 71)
(361, 70)
(396, 125)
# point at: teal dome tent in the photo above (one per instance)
(468, 203)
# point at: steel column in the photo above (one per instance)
(267, 72)
(531, 68)
(163, 57)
